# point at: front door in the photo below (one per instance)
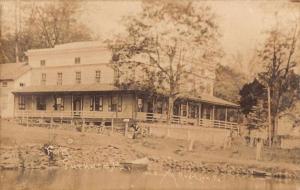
(77, 105)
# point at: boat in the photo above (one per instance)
(136, 165)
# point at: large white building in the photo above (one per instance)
(76, 80)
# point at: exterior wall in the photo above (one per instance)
(88, 74)
(63, 57)
(6, 96)
(127, 104)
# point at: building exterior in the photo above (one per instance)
(13, 76)
(76, 81)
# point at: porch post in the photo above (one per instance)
(14, 113)
(213, 113)
(72, 105)
(226, 114)
(199, 113)
(31, 102)
(187, 109)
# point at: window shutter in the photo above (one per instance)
(92, 103)
(119, 103)
(109, 103)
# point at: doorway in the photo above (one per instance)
(77, 105)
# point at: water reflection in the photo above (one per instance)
(98, 179)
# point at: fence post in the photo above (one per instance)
(83, 125)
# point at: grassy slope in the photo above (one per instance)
(12, 135)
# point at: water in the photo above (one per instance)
(61, 179)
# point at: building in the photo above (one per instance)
(76, 81)
(13, 76)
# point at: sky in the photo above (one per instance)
(242, 22)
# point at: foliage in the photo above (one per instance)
(162, 44)
(228, 83)
(45, 25)
(250, 94)
(277, 56)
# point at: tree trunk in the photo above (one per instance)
(170, 109)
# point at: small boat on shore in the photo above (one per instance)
(136, 165)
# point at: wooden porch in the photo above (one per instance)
(140, 117)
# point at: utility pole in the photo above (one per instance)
(269, 116)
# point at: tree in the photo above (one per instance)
(228, 83)
(278, 58)
(46, 25)
(163, 43)
(250, 94)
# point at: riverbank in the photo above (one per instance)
(23, 148)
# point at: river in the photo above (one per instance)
(95, 179)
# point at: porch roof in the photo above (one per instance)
(111, 88)
(218, 101)
(68, 88)
(210, 99)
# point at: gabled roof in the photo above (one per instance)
(12, 71)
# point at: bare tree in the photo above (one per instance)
(164, 43)
(278, 58)
(56, 23)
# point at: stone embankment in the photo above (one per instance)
(37, 157)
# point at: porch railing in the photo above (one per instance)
(141, 116)
(65, 114)
(155, 117)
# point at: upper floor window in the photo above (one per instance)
(78, 77)
(59, 78)
(4, 84)
(22, 84)
(98, 76)
(77, 60)
(43, 62)
(43, 80)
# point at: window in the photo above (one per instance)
(115, 103)
(78, 77)
(22, 84)
(59, 78)
(77, 60)
(43, 80)
(96, 103)
(40, 103)
(58, 103)
(43, 62)
(21, 102)
(98, 76)
(4, 84)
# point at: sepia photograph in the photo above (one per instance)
(149, 94)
